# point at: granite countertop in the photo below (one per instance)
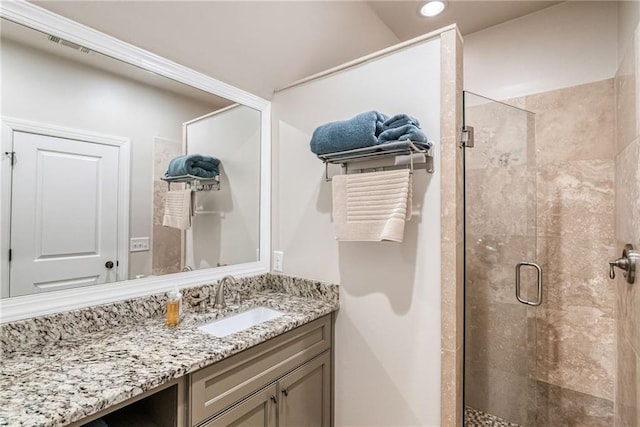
(67, 380)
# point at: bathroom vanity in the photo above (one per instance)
(276, 373)
(285, 381)
(119, 361)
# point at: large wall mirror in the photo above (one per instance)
(122, 173)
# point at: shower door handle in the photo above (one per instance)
(538, 300)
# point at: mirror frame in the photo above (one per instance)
(23, 307)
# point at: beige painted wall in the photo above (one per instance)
(628, 16)
(226, 226)
(562, 46)
(388, 328)
(78, 96)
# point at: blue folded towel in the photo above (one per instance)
(402, 133)
(357, 132)
(400, 120)
(388, 145)
(194, 164)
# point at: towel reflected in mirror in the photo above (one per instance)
(178, 209)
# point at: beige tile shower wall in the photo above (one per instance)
(575, 147)
(166, 243)
(570, 221)
(627, 226)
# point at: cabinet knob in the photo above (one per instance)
(273, 399)
(109, 264)
(285, 392)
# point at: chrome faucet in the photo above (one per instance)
(219, 301)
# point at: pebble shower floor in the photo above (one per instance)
(475, 418)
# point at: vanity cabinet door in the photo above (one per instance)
(258, 410)
(223, 384)
(305, 394)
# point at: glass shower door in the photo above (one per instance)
(500, 234)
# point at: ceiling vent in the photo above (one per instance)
(69, 44)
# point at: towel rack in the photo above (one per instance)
(381, 151)
(196, 183)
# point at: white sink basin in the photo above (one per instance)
(238, 322)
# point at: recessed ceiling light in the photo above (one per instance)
(433, 8)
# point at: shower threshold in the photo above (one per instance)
(475, 418)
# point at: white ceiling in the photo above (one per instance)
(402, 16)
(255, 45)
(260, 46)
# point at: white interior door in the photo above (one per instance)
(64, 213)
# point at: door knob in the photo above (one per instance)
(627, 263)
(109, 264)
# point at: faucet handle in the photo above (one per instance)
(237, 299)
(627, 263)
(621, 263)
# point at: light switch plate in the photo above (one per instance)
(138, 244)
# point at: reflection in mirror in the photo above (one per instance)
(91, 136)
(225, 223)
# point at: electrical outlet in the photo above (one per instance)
(278, 261)
(138, 244)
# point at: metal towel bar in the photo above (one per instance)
(196, 183)
(383, 151)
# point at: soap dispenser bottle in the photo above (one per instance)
(174, 303)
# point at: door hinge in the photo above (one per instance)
(9, 255)
(466, 138)
(12, 156)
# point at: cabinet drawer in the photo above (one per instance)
(224, 383)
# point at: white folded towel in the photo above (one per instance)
(178, 209)
(371, 207)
